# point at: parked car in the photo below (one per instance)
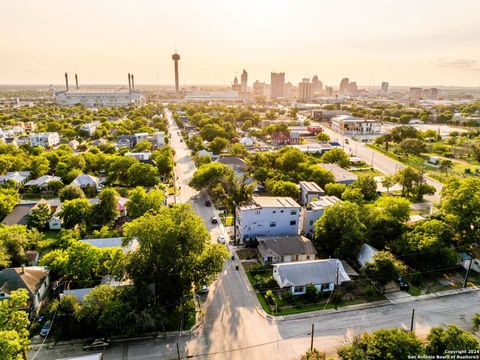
(402, 284)
(46, 328)
(214, 220)
(347, 142)
(95, 344)
(221, 239)
(203, 290)
(208, 203)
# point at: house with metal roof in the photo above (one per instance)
(366, 254)
(323, 274)
(341, 175)
(279, 249)
(309, 190)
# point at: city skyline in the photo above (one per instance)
(302, 39)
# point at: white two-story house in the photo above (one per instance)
(268, 216)
(314, 210)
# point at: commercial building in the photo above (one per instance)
(95, 97)
(45, 139)
(317, 85)
(305, 90)
(244, 81)
(236, 86)
(344, 86)
(384, 87)
(416, 92)
(268, 216)
(359, 128)
(207, 96)
(277, 85)
(259, 88)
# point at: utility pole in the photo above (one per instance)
(311, 340)
(413, 319)
(373, 154)
(468, 273)
(178, 352)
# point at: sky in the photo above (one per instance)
(408, 42)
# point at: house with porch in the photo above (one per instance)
(323, 274)
(279, 249)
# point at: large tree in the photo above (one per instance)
(209, 175)
(412, 147)
(403, 132)
(8, 199)
(383, 268)
(75, 212)
(15, 240)
(461, 202)
(14, 324)
(140, 201)
(384, 344)
(39, 216)
(142, 175)
(71, 192)
(105, 212)
(336, 156)
(339, 231)
(367, 185)
(282, 188)
(174, 253)
(451, 338)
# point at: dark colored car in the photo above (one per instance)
(96, 344)
(214, 220)
(402, 284)
(208, 203)
(46, 328)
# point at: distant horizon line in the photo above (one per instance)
(227, 85)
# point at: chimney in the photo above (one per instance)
(66, 81)
(76, 80)
(133, 83)
(129, 83)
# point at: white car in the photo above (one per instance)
(221, 239)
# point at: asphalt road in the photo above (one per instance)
(375, 158)
(232, 328)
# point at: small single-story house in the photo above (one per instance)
(323, 274)
(279, 249)
(34, 279)
(309, 190)
(43, 181)
(247, 141)
(366, 254)
(73, 144)
(85, 180)
(99, 142)
(19, 177)
(55, 222)
(341, 175)
(20, 212)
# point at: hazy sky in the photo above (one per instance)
(408, 42)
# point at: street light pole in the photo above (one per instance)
(373, 154)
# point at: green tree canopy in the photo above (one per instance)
(450, 338)
(333, 189)
(140, 174)
(339, 231)
(282, 188)
(140, 201)
(336, 156)
(39, 216)
(71, 192)
(75, 212)
(383, 268)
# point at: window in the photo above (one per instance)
(297, 289)
(308, 257)
(293, 222)
(311, 222)
(293, 212)
(273, 224)
(281, 211)
(257, 212)
(274, 212)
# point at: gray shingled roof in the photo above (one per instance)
(285, 245)
(310, 272)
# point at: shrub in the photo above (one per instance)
(311, 293)
(416, 278)
(269, 297)
(476, 321)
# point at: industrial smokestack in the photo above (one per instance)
(129, 83)
(66, 81)
(76, 80)
(133, 83)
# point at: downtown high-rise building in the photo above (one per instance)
(258, 88)
(305, 90)
(244, 81)
(344, 86)
(384, 87)
(277, 85)
(317, 85)
(236, 86)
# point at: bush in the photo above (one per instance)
(288, 297)
(416, 278)
(476, 321)
(370, 291)
(269, 297)
(311, 293)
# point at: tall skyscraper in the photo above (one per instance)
(258, 88)
(244, 81)
(236, 86)
(175, 58)
(317, 85)
(305, 90)
(344, 86)
(352, 88)
(277, 84)
(385, 87)
(329, 91)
